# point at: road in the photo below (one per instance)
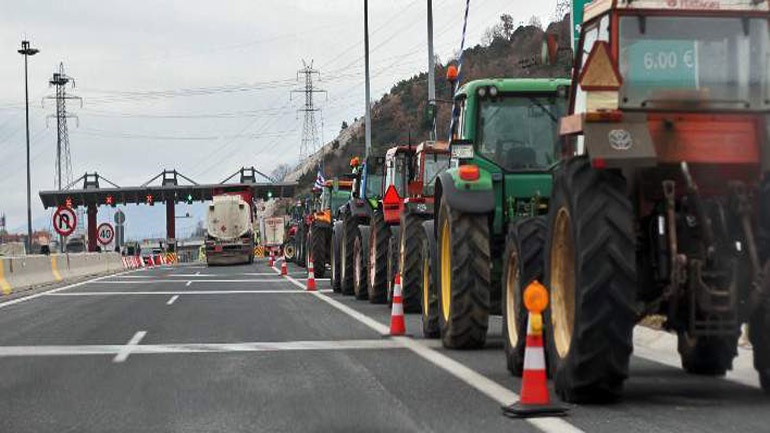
(242, 349)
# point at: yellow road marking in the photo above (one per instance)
(54, 267)
(4, 286)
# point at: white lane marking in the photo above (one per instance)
(172, 300)
(661, 347)
(56, 290)
(139, 282)
(197, 273)
(129, 347)
(481, 383)
(133, 348)
(188, 284)
(189, 292)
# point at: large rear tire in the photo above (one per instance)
(522, 264)
(349, 233)
(463, 278)
(334, 256)
(360, 263)
(410, 246)
(590, 268)
(393, 269)
(319, 250)
(759, 335)
(290, 250)
(301, 240)
(428, 295)
(377, 256)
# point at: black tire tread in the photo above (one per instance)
(409, 259)
(380, 233)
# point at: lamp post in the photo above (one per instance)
(27, 51)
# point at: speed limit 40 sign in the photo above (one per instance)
(105, 233)
(64, 221)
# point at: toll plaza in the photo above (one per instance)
(163, 188)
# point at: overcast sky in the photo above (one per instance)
(203, 86)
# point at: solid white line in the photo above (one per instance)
(188, 292)
(188, 284)
(56, 290)
(481, 383)
(129, 347)
(172, 300)
(140, 282)
(133, 348)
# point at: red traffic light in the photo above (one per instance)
(109, 200)
(150, 200)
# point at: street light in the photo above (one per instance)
(27, 51)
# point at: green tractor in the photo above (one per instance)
(491, 204)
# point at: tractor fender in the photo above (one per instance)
(463, 200)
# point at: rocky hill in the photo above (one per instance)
(399, 116)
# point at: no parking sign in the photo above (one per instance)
(105, 233)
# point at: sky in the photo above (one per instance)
(202, 87)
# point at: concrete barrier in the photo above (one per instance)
(23, 273)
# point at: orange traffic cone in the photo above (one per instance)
(284, 267)
(534, 400)
(310, 276)
(397, 326)
(271, 262)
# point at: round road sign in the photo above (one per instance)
(65, 220)
(120, 217)
(105, 233)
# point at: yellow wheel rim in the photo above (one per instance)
(446, 270)
(512, 286)
(425, 286)
(562, 282)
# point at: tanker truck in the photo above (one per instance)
(230, 230)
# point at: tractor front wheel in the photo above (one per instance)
(360, 263)
(349, 233)
(410, 245)
(377, 255)
(318, 250)
(463, 278)
(759, 332)
(334, 255)
(428, 295)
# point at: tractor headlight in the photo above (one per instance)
(493, 91)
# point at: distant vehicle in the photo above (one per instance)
(272, 230)
(131, 249)
(230, 230)
(76, 244)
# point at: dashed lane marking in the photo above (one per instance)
(133, 348)
(481, 383)
(188, 292)
(172, 300)
(126, 350)
(188, 284)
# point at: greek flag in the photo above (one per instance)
(319, 181)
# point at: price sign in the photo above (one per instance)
(64, 221)
(105, 233)
(664, 63)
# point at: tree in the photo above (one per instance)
(279, 173)
(506, 22)
(535, 22)
(344, 125)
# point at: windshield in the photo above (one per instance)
(717, 62)
(435, 164)
(397, 173)
(520, 132)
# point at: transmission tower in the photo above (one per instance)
(309, 127)
(563, 7)
(60, 80)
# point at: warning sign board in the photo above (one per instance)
(105, 233)
(64, 221)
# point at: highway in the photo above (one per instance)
(242, 349)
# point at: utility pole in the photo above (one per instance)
(368, 121)
(309, 127)
(431, 72)
(27, 51)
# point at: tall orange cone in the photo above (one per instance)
(397, 326)
(534, 399)
(284, 267)
(271, 262)
(310, 276)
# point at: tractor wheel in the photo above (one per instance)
(301, 239)
(708, 356)
(463, 278)
(319, 238)
(377, 256)
(360, 263)
(522, 264)
(428, 295)
(590, 269)
(759, 334)
(289, 250)
(349, 233)
(334, 255)
(393, 269)
(410, 245)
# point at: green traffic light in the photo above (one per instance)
(269, 194)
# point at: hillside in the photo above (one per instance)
(399, 115)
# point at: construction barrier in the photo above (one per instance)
(25, 272)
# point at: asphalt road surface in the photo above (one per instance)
(242, 349)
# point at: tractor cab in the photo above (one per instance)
(398, 175)
(334, 194)
(367, 188)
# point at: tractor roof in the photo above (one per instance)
(399, 149)
(433, 147)
(515, 85)
(598, 7)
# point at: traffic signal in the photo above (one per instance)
(189, 199)
(68, 202)
(150, 200)
(109, 200)
(269, 194)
